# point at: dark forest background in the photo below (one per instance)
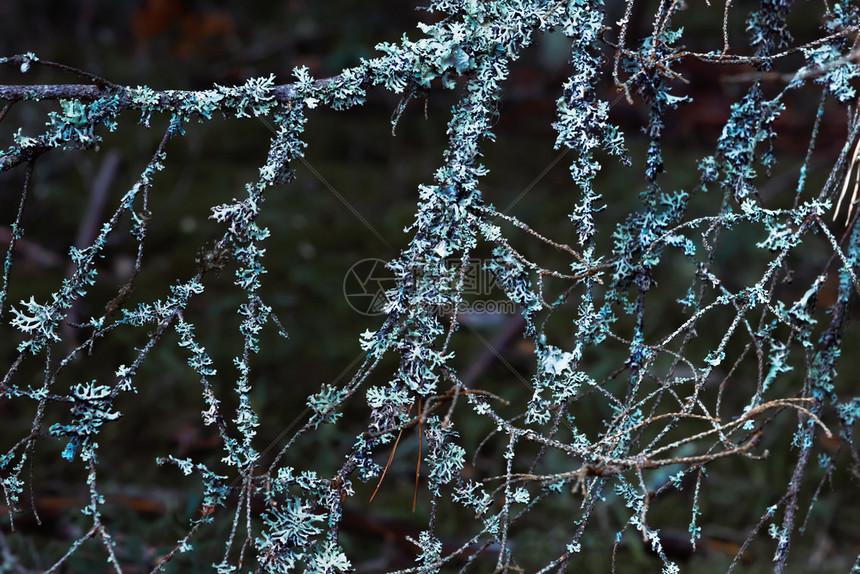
(354, 165)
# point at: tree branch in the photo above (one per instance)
(167, 98)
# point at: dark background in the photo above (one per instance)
(316, 238)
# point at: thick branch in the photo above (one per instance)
(122, 98)
(166, 99)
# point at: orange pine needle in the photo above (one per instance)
(390, 458)
(418, 467)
